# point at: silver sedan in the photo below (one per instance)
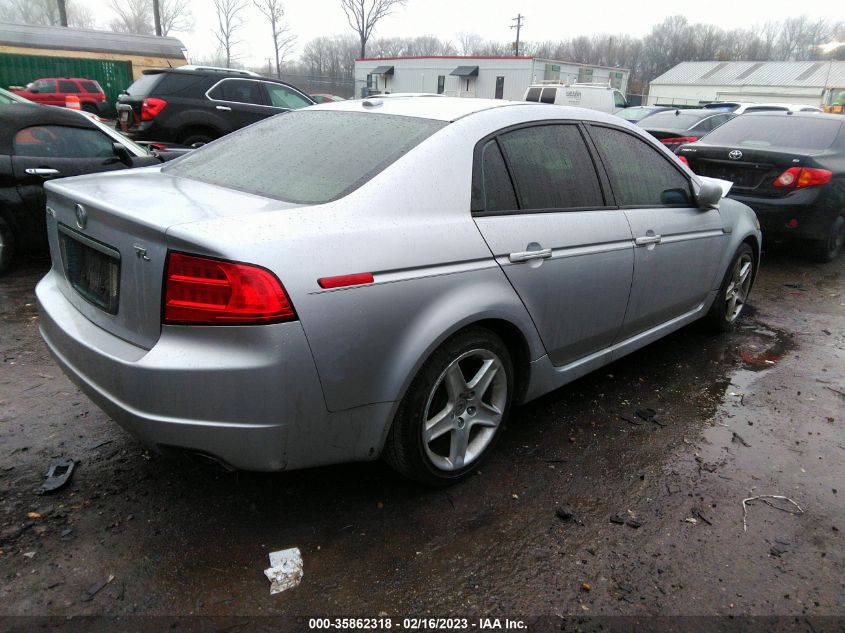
(381, 278)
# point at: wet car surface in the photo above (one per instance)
(760, 411)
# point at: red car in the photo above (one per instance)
(54, 90)
(326, 98)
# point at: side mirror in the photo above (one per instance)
(34, 91)
(122, 154)
(709, 195)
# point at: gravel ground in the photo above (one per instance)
(757, 412)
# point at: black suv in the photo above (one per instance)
(197, 104)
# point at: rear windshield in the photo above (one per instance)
(142, 86)
(307, 157)
(789, 132)
(633, 114)
(674, 121)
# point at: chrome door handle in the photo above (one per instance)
(226, 108)
(525, 256)
(41, 171)
(648, 239)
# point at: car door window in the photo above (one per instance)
(496, 189)
(68, 86)
(238, 91)
(639, 174)
(45, 86)
(552, 168)
(56, 141)
(618, 99)
(283, 97)
(548, 95)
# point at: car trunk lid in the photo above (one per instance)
(752, 170)
(108, 241)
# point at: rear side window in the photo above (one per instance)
(91, 86)
(284, 97)
(68, 86)
(639, 174)
(238, 91)
(552, 168)
(533, 94)
(548, 95)
(496, 183)
(144, 85)
(306, 156)
(787, 132)
(58, 141)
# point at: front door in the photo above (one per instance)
(241, 102)
(540, 206)
(678, 245)
(500, 87)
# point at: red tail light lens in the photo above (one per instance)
(678, 140)
(207, 291)
(684, 160)
(151, 107)
(798, 177)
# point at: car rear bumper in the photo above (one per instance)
(797, 215)
(247, 396)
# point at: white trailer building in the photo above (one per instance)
(696, 83)
(490, 77)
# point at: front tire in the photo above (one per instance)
(454, 410)
(826, 249)
(7, 246)
(734, 291)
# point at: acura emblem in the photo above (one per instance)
(81, 216)
(735, 154)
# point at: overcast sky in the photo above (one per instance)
(545, 19)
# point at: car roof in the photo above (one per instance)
(16, 116)
(816, 116)
(442, 109)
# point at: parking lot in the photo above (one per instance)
(757, 412)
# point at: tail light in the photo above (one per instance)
(798, 177)
(101, 97)
(684, 160)
(151, 107)
(679, 140)
(208, 291)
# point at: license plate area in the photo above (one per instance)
(92, 269)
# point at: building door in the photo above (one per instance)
(441, 84)
(500, 87)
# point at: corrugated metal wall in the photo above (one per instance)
(19, 70)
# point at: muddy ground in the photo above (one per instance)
(757, 412)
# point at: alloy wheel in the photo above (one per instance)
(464, 409)
(739, 287)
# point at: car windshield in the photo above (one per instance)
(308, 156)
(675, 120)
(633, 114)
(788, 132)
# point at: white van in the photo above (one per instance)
(591, 96)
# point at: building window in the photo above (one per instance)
(500, 87)
(372, 82)
(585, 75)
(441, 84)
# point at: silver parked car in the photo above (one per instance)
(380, 277)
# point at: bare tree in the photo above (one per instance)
(132, 16)
(469, 43)
(45, 12)
(283, 39)
(229, 23)
(363, 15)
(175, 16)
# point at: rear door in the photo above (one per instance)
(241, 102)
(678, 245)
(539, 202)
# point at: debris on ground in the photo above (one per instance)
(633, 523)
(585, 586)
(649, 415)
(630, 420)
(58, 475)
(696, 512)
(567, 513)
(618, 519)
(764, 499)
(736, 438)
(285, 571)
(777, 552)
(96, 588)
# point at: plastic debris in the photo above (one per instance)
(58, 475)
(736, 438)
(567, 513)
(285, 571)
(764, 498)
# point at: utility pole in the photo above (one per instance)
(518, 26)
(62, 12)
(157, 17)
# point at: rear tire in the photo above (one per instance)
(7, 246)
(454, 410)
(197, 136)
(826, 249)
(90, 107)
(733, 293)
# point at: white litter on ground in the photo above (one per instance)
(285, 571)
